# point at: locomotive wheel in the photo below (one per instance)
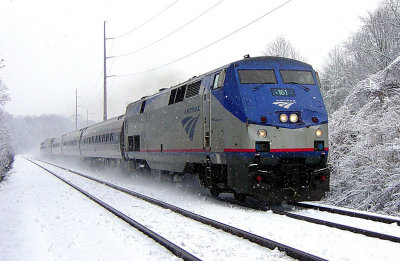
(239, 197)
(214, 192)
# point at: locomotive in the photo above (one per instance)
(255, 127)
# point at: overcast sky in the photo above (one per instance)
(52, 47)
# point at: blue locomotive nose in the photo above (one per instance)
(256, 90)
(287, 98)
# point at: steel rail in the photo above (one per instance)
(349, 213)
(338, 226)
(176, 250)
(290, 251)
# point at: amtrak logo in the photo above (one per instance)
(189, 123)
(284, 104)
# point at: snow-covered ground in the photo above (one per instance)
(203, 241)
(43, 218)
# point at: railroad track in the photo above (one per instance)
(365, 232)
(346, 212)
(361, 231)
(176, 250)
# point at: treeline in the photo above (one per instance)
(29, 131)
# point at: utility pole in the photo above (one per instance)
(105, 75)
(76, 109)
(105, 72)
(87, 118)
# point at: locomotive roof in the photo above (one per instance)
(272, 59)
(245, 61)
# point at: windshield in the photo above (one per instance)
(257, 76)
(300, 77)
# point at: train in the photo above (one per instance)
(255, 127)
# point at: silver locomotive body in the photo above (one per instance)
(207, 126)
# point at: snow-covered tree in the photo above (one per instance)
(361, 88)
(281, 47)
(365, 145)
(6, 156)
(368, 51)
(336, 78)
(377, 44)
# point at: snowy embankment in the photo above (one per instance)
(44, 218)
(365, 145)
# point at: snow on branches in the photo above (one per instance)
(6, 156)
(371, 49)
(365, 145)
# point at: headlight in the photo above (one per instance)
(283, 117)
(262, 133)
(293, 118)
(318, 133)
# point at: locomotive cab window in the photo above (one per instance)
(215, 84)
(257, 77)
(300, 77)
(219, 79)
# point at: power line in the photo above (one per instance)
(208, 45)
(101, 74)
(111, 85)
(171, 33)
(112, 45)
(146, 22)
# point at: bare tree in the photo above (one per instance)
(281, 47)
